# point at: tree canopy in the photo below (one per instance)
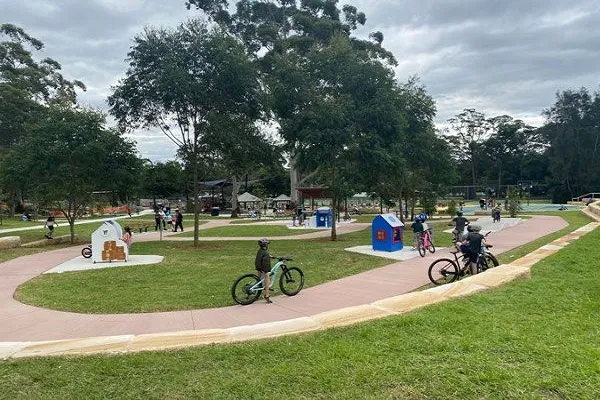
(190, 82)
(65, 157)
(27, 84)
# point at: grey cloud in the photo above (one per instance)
(508, 56)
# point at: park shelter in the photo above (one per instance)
(282, 198)
(387, 233)
(312, 193)
(249, 198)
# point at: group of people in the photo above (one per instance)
(164, 217)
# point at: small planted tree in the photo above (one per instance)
(187, 82)
(451, 210)
(513, 201)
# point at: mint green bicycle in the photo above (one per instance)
(247, 288)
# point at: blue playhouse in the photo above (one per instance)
(387, 233)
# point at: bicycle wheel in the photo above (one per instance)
(86, 252)
(482, 264)
(422, 250)
(431, 248)
(242, 291)
(291, 281)
(443, 271)
(491, 260)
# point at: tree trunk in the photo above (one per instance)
(234, 196)
(293, 179)
(499, 180)
(400, 206)
(473, 169)
(196, 194)
(333, 224)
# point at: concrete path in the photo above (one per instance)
(23, 323)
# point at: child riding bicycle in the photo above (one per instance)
(471, 248)
(460, 223)
(417, 228)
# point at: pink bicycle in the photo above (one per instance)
(425, 243)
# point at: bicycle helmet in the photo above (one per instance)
(476, 228)
(459, 213)
(263, 242)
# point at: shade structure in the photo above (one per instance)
(282, 197)
(248, 198)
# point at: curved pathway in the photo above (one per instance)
(21, 323)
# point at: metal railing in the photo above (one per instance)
(592, 196)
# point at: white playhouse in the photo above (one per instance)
(107, 244)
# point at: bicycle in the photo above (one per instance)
(86, 252)
(446, 270)
(424, 243)
(247, 288)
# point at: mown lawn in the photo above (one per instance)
(239, 230)
(83, 231)
(534, 339)
(190, 278)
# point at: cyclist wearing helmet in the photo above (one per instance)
(471, 247)
(417, 228)
(263, 265)
(459, 226)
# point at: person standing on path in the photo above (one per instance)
(178, 220)
(128, 237)
(156, 219)
(162, 216)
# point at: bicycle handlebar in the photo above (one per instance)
(282, 258)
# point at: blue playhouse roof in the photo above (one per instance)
(390, 219)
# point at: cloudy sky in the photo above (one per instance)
(498, 56)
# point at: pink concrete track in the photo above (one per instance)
(19, 322)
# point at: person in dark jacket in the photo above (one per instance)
(263, 265)
(178, 220)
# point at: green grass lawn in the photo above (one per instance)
(529, 339)
(240, 230)
(16, 222)
(190, 278)
(82, 231)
